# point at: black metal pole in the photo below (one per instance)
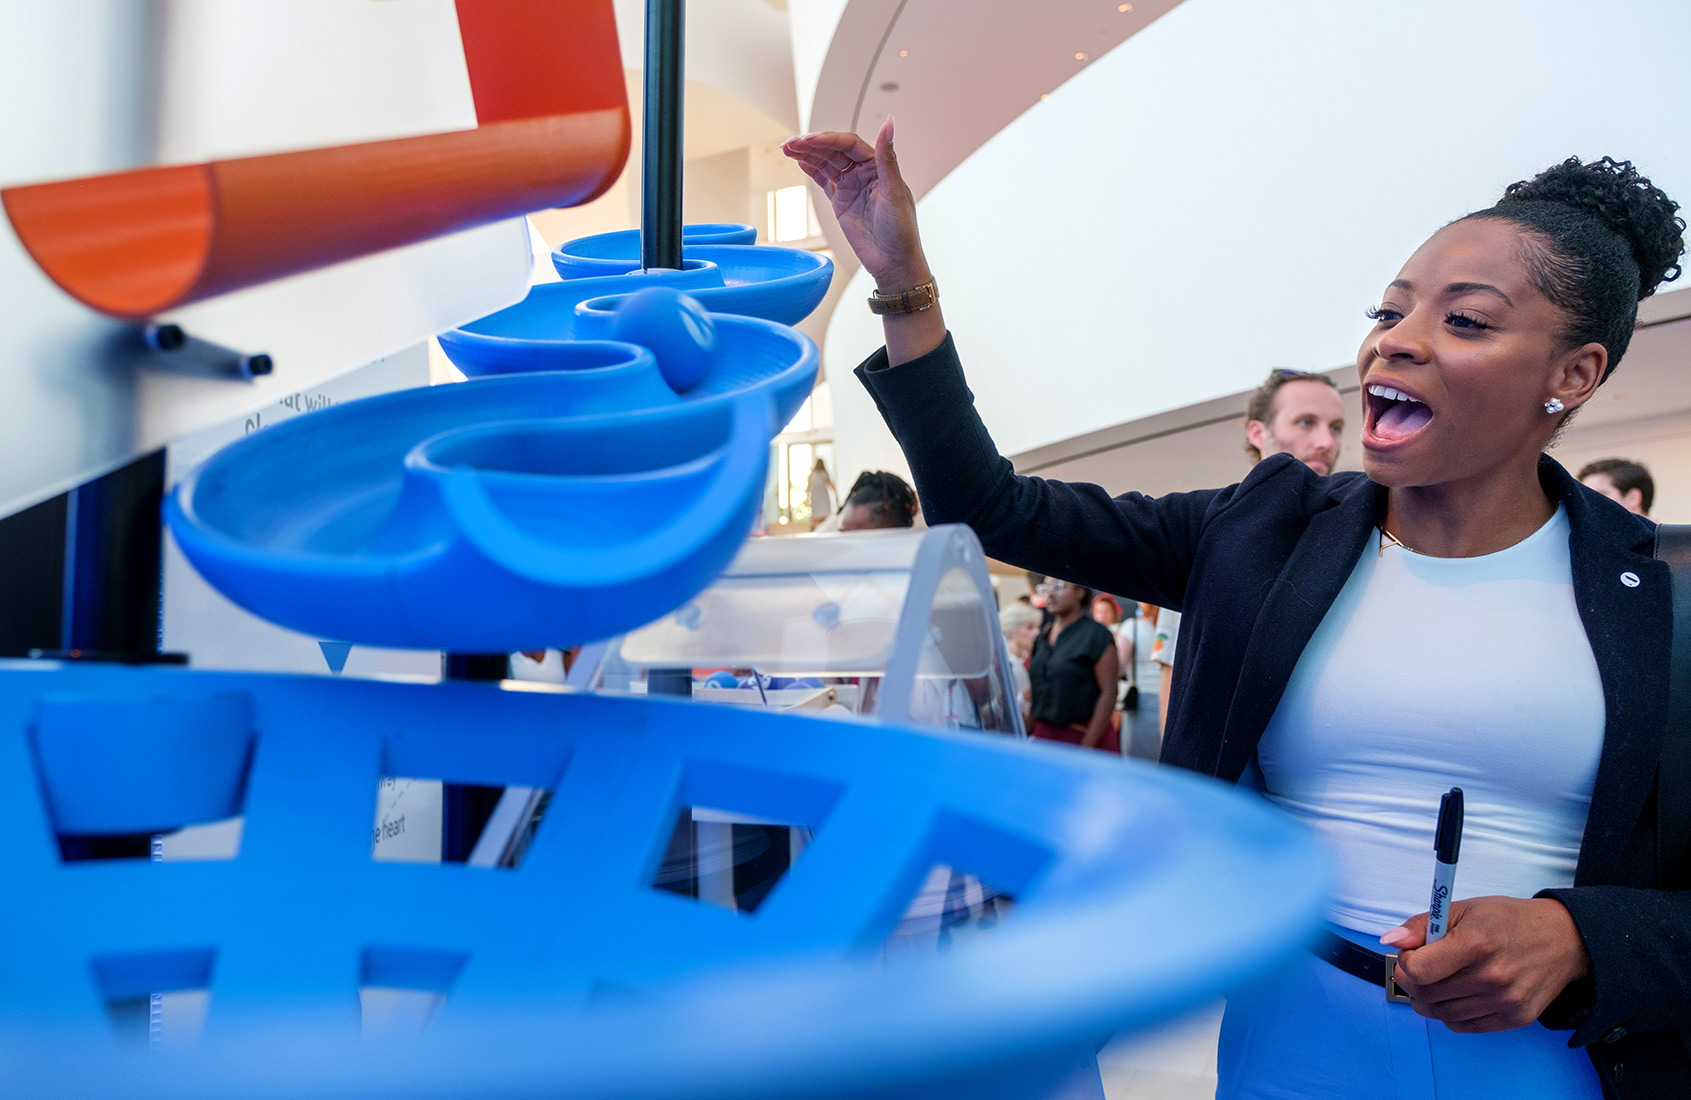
(670, 681)
(464, 809)
(112, 573)
(475, 666)
(660, 185)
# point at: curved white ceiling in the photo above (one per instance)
(1228, 190)
(954, 74)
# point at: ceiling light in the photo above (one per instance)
(1044, 97)
(1124, 8)
(906, 53)
(1080, 57)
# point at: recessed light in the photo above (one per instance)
(1045, 97)
(906, 53)
(890, 86)
(1080, 56)
(1124, 8)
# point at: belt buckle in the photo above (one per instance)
(1394, 992)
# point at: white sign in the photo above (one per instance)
(215, 633)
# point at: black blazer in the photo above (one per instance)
(1254, 568)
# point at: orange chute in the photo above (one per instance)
(547, 80)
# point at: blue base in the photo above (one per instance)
(1139, 893)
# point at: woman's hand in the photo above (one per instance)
(875, 209)
(1498, 967)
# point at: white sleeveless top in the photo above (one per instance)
(1431, 673)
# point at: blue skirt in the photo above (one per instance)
(1314, 1032)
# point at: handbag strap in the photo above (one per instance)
(1673, 774)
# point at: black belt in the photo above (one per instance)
(1356, 960)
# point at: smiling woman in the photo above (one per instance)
(1520, 620)
(1493, 335)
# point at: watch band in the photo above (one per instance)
(914, 300)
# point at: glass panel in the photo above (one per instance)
(958, 682)
(811, 623)
(818, 624)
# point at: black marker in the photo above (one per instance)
(1447, 844)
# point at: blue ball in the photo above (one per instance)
(677, 329)
(721, 680)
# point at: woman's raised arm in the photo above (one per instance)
(1130, 545)
(877, 214)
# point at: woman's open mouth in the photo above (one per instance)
(1391, 415)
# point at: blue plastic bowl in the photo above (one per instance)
(619, 252)
(777, 284)
(750, 353)
(497, 357)
(545, 318)
(505, 513)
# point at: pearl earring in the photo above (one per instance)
(1554, 406)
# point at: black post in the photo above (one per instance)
(112, 572)
(32, 544)
(660, 190)
(475, 666)
(670, 681)
(465, 809)
(111, 593)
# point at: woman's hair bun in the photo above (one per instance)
(1615, 194)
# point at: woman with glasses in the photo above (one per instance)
(1316, 663)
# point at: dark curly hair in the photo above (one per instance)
(1600, 239)
(887, 497)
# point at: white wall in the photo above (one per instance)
(1230, 188)
(99, 85)
(811, 25)
(716, 123)
(1662, 444)
(742, 47)
(244, 79)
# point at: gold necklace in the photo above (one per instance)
(1389, 539)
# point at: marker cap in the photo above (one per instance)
(1449, 839)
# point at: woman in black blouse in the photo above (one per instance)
(1074, 670)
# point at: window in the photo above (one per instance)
(791, 216)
